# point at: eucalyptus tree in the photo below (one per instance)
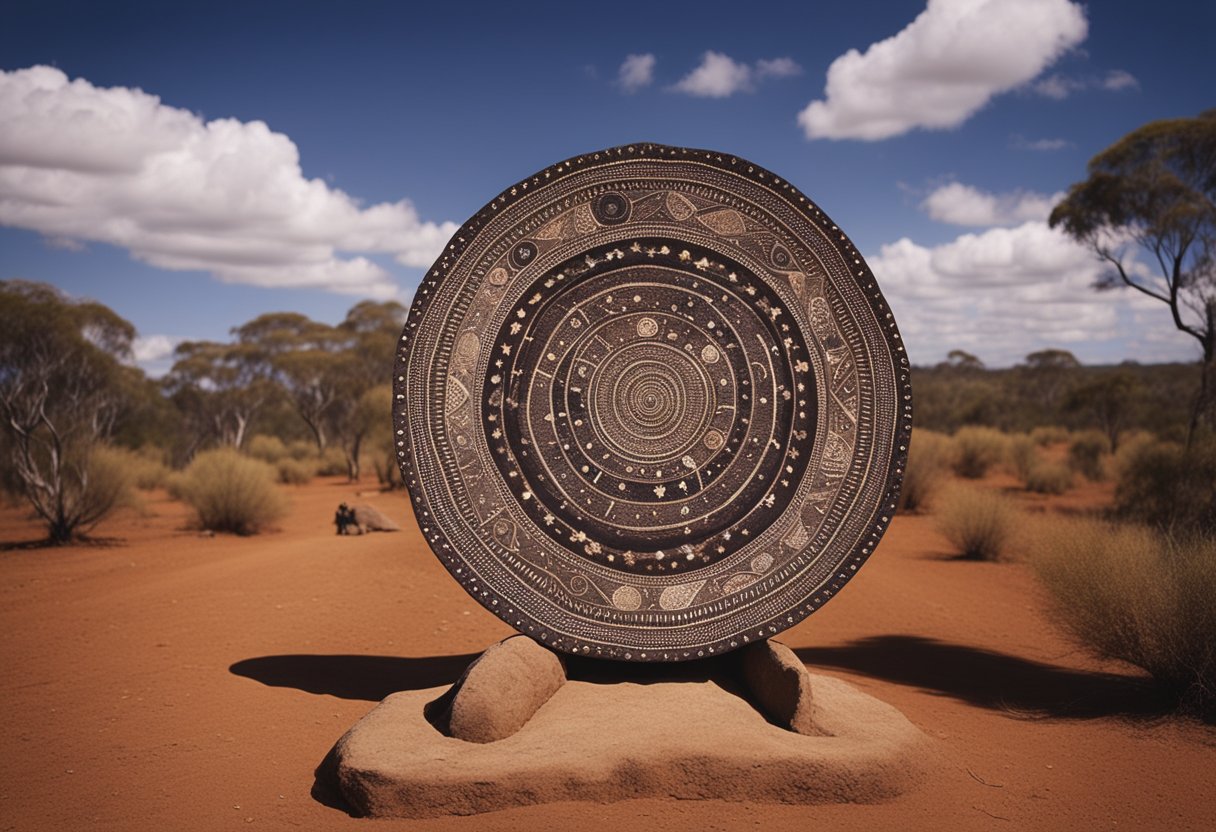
(63, 387)
(1152, 195)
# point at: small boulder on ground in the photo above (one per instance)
(372, 519)
(499, 692)
(781, 686)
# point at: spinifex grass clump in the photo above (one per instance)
(1022, 455)
(1049, 435)
(1135, 594)
(928, 458)
(295, 471)
(976, 449)
(1168, 486)
(1085, 455)
(977, 522)
(231, 492)
(1049, 478)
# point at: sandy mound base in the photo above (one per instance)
(603, 743)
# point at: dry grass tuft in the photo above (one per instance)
(1049, 478)
(1086, 453)
(976, 449)
(1137, 595)
(295, 471)
(979, 523)
(1168, 486)
(1022, 455)
(231, 492)
(1049, 435)
(928, 459)
(266, 448)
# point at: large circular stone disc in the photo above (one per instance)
(651, 405)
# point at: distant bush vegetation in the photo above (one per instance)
(977, 522)
(1055, 396)
(1140, 596)
(231, 492)
(928, 459)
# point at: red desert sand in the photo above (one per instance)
(163, 680)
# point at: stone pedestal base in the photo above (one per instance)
(607, 742)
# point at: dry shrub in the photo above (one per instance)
(1168, 486)
(1049, 435)
(144, 468)
(301, 449)
(175, 484)
(1085, 454)
(331, 463)
(1022, 455)
(231, 492)
(976, 449)
(928, 458)
(295, 471)
(979, 523)
(1049, 478)
(266, 448)
(109, 483)
(1137, 595)
(1130, 444)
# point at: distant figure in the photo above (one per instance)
(346, 521)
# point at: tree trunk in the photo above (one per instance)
(1203, 415)
(352, 458)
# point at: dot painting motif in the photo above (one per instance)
(651, 405)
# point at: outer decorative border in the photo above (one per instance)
(866, 282)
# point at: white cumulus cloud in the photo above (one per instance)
(636, 71)
(116, 165)
(960, 204)
(721, 76)
(1006, 292)
(943, 67)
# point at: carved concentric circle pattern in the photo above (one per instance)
(651, 405)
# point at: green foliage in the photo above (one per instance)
(231, 492)
(1085, 455)
(1170, 487)
(1048, 478)
(928, 459)
(977, 449)
(1131, 594)
(977, 522)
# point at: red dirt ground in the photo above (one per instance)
(170, 681)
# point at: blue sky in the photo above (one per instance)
(301, 156)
